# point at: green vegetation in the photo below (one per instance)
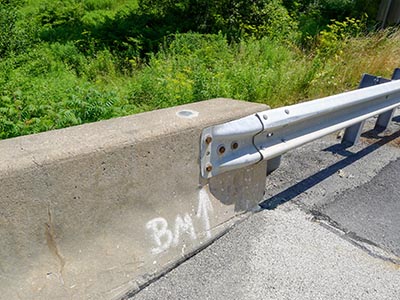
(65, 63)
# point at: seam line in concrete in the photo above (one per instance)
(368, 246)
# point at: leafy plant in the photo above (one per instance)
(16, 35)
(331, 39)
(64, 63)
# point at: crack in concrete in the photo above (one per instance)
(368, 246)
(36, 163)
(52, 243)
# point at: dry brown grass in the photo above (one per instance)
(377, 54)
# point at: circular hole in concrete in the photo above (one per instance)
(188, 114)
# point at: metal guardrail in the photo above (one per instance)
(269, 134)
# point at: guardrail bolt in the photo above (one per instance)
(208, 140)
(221, 149)
(287, 111)
(234, 145)
(265, 117)
(209, 168)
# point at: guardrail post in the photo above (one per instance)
(384, 119)
(273, 164)
(352, 133)
(396, 74)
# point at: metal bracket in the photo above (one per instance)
(229, 146)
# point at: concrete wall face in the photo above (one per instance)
(94, 211)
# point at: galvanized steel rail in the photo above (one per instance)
(269, 134)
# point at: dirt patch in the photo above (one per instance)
(389, 137)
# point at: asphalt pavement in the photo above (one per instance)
(328, 228)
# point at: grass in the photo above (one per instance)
(377, 54)
(54, 84)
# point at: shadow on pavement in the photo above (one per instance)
(350, 157)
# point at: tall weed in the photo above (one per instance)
(196, 67)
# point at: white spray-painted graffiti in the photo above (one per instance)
(203, 209)
(164, 237)
(161, 234)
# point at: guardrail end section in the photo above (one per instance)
(229, 146)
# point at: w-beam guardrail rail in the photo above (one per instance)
(269, 134)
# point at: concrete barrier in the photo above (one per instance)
(96, 211)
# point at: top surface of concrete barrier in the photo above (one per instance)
(88, 138)
(95, 211)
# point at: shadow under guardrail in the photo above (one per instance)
(350, 157)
